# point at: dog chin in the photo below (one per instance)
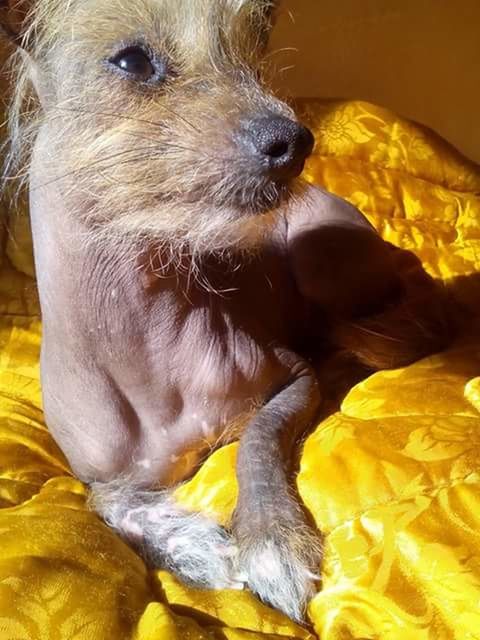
(262, 201)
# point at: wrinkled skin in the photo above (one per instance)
(167, 365)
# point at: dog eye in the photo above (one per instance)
(136, 63)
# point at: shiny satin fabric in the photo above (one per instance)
(392, 478)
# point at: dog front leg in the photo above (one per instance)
(278, 552)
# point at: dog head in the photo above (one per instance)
(155, 116)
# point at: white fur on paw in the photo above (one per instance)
(195, 548)
(279, 576)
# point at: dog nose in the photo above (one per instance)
(282, 145)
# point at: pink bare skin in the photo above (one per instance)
(163, 365)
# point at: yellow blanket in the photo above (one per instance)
(392, 479)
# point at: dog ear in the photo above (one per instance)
(248, 24)
(13, 17)
(271, 8)
(269, 11)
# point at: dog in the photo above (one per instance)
(189, 280)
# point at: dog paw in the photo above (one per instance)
(280, 567)
(190, 545)
(197, 550)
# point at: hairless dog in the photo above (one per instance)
(189, 280)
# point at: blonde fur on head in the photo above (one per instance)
(159, 162)
(22, 126)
